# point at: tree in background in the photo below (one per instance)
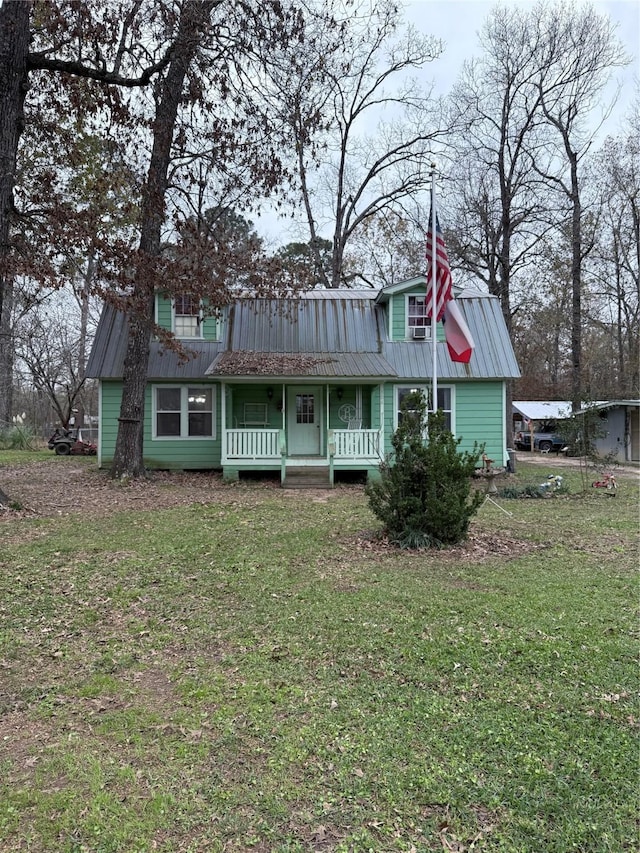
(496, 200)
(577, 54)
(614, 264)
(361, 127)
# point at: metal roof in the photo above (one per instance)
(543, 410)
(106, 360)
(304, 325)
(324, 333)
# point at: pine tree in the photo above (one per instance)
(423, 496)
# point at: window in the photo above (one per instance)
(417, 315)
(183, 412)
(304, 408)
(445, 396)
(187, 319)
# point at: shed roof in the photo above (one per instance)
(543, 410)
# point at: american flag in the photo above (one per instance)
(443, 272)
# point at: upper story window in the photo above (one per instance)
(417, 317)
(187, 317)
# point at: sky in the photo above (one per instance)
(457, 23)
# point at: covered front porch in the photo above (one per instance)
(291, 426)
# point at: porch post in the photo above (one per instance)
(381, 394)
(223, 423)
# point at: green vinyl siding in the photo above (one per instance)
(478, 415)
(239, 397)
(178, 453)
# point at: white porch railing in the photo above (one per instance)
(354, 445)
(357, 444)
(252, 444)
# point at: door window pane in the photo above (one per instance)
(304, 408)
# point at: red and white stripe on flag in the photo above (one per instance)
(443, 272)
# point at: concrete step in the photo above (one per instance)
(306, 478)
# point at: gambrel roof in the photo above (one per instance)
(336, 334)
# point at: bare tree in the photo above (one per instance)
(578, 53)
(614, 265)
(497, 201)
(48, 355)
(361, 126)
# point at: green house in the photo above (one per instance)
(311, 384)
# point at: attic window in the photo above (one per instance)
(187, 316)
(417, 313)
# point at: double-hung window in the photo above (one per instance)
(445, 401)
(187, 316)
(183, 412)
(417, 318)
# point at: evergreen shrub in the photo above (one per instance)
(424, 496)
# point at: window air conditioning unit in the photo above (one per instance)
(419, 333)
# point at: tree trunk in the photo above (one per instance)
(128, 460)
(7, 353)
(576, 284)
(14, 46)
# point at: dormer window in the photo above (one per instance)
(187, 316)
(418, 323)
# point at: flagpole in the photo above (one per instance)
(434, 265)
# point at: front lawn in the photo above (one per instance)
(255, 670)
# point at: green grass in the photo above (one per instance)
(259, 674)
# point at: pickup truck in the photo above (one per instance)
(542, 441)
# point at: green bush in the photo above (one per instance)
(423, 496)
(17, 437)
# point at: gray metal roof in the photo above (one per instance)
(106, 360)
(325, 334)
(304, 325)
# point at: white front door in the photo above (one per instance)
(304, 419)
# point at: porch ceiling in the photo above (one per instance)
(248, 363)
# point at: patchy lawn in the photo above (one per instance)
(192, 666)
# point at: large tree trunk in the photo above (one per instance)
(7, 353)
(128, 460)
(14, 46)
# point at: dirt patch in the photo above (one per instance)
(67, 486)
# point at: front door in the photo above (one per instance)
(304, 418)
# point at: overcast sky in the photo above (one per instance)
(457, 23)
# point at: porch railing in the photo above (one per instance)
(252, 443)
(362, 445)
(357, 444)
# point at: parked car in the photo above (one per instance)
(545, 439)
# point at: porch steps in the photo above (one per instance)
(307, 478)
